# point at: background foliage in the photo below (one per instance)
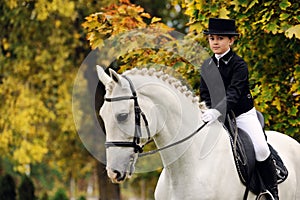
(265, 28)
(42, 44)
(269, 42)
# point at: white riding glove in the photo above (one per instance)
(210, 115)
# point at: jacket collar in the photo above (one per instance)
(226, 58)
(218, 56)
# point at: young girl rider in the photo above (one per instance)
(237, 97)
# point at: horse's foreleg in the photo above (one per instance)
(162, 190)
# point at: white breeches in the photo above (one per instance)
(249, 122)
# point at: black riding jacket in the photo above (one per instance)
(224, 85)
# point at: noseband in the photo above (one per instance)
(138, 114)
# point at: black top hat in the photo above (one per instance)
(217, 26)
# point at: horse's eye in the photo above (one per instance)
(122, 117)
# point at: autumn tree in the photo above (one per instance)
(42, 45)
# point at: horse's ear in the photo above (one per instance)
(115, 76)
(103, 77)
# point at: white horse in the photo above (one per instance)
(201, 167)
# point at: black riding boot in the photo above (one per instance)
(267, 171)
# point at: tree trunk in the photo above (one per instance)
(72, 188)
(107, 190)
(143, 189)
(1, 170)
(1, 167)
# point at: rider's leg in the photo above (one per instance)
(249, 122)
(267, 171)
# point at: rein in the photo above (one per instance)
(135, 144)
(173, 144)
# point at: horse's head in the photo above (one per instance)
(125, 120)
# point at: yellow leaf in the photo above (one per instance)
(57, 23)
(236, 5)
(5, 44)
(223, 12)
(199, 5)
(276, 103)
(190, 10)
(155, 19)
(197, 26)
(293, 30)
(12, 4)
(147, 15)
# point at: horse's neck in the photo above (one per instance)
(177, 115)
(179, 124)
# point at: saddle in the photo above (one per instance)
(244, 156)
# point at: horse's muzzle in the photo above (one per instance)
(116, 176)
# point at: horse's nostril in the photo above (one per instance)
(119, 176)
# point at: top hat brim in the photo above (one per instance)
(212, 32)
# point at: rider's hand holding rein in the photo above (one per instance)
(211, 115)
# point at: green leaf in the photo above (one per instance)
(243, 2)
(283, 16)
(256, 90)
(251, 5)
(291, 131)
(294, 111)
(179, 64)
(214, 8)
(284, 4)
(272, 27)
(268, 3)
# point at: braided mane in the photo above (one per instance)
(177, 84)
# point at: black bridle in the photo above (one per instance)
(135, 144)
(138, 114)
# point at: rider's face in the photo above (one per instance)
(219, 44)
